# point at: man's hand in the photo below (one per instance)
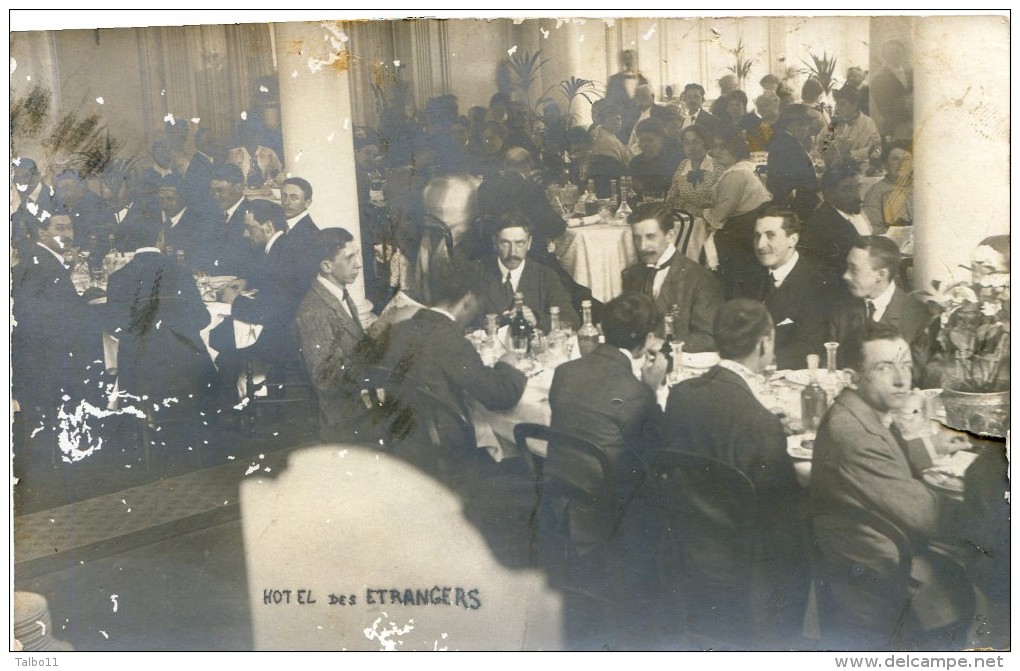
(653, 370)
(528, 315)
(232, 290)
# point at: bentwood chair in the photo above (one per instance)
(710, 527)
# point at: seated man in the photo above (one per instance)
(329, 330)
(852, 137)
(795, 294)
(155, 310)
(228, 251)
(680, 287)
(608, 396)
(834, 227)
(872, 265)
(867, 455)
(510, 271)
(718, 415)
(654, 167)
(184, 228)
(429, 351)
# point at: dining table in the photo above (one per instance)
(595, 250)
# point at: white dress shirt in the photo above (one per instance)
(747, 375)
(292, 222)
(635, 364)
(660, 276)
(233, 208)
(882, 301)
(174, 220)
(515, 274)
(780, 274)
(859, 220)
(337, 291)
(269, 245)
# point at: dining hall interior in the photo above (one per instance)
(310, 456)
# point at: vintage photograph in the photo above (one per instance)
(577, 333)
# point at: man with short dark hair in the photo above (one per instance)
(609, 395)
(622, 86)
(510, 271)
(184, 229)
(791, 174)
(719, 415)
(329, 330)
(872, 266)
(868, 454)
(795, 294)
(693, 98)
(298, 255)
(836, 225)
(852, 137)
(229, 252)
(679, 286)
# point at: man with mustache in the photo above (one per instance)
(833, 229)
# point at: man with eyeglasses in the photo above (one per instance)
(870, 451)
(510, 271)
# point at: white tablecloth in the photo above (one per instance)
(596, 255)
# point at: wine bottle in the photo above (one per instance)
(520, 329)
(812, 398)
(587, 335)
(667, 342)
(591, 201)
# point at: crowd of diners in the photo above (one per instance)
(789, 255)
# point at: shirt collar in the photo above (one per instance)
(780, 274)
(666, 255)
(233, 208)
(635, 364)
(141, 250)
(337, 291)
(269, 245)
(444, 313)
(745, 373)
(60, 257)
(174, 220)
(292, 222)
(515, 274)
(883, 299)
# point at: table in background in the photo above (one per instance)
(595, 256)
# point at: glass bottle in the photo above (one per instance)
(667, 342)
(613, 195)
(556, 342)
(520, 329)
(624, 210)
(812, 398)
(833, 378)
(587, 335)
(591, 201)
(632, 196)
(677, 374)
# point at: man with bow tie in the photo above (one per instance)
(679, 286)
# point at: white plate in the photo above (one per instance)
(796, 449)
(700, 360)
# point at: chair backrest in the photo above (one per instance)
(684, 227)
(832, 576)
(712, 507)
(577, 487)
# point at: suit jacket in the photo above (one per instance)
(889, 96)
(910, 316)
(49, 350)
(431, 350)
(709, 122)
(328, 338)
(790, 170)
(155, 310)
(859, 462)
(799, 310)
(828, 238)
(598, 398)
(228, 252)
(196, 186)
(616, 93)
(540, 285)
(694, 291)
(189, 235)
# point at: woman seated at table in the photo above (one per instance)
(734, 111)
(738, 196)
(652, 169)
(891, 201)
(608, 121)
(694, 180)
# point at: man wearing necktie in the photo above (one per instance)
(329, 330)
(872, 266)
(795, 295)
(693, 98)
(678, 285)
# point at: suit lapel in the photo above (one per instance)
(894, 310)
(343, 319)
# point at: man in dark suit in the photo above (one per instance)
(33, 198)
(608, 396)
(228, 252)
(830, 231)
(694, 99)
(791, 174)
(156, 312)
(869, 455)
(298, 253)
(184, 229)
(680, 287)
(329, 330)
(795, 294)
(644, 108)
(199, 172)
(718, 415)
(49, 344)
(871, 268)
(93, 220)
(430, 351)
(622, 87)
(891, 93)
(510, 271)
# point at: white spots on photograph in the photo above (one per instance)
(329, 138)
(28, 78)
(195, 119)
(244, 115)
(386, 633)
(52, 521)
(342, 453)
(113, 598)
(262, 456)
(242, 404)
(297, 158)
(252, 469)
(16, 161)
(32, 208)
(512, 50)
(14, 64)
(276, 433)
(396, 63)
(267, 469)
(230, 456)
(158, 323)
(648, 35)
(610, 23)
(105, 635)
(100, 100)
(545, 33)
(347, 123)
(348, 473)
(169, 118)
(334, 29)
(263, 89)
(582, 39)
(42, 625)
(163, 92)
(226, 502)
(36, 431)
(294, 74)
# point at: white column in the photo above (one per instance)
(317, 125)
(961, 141)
